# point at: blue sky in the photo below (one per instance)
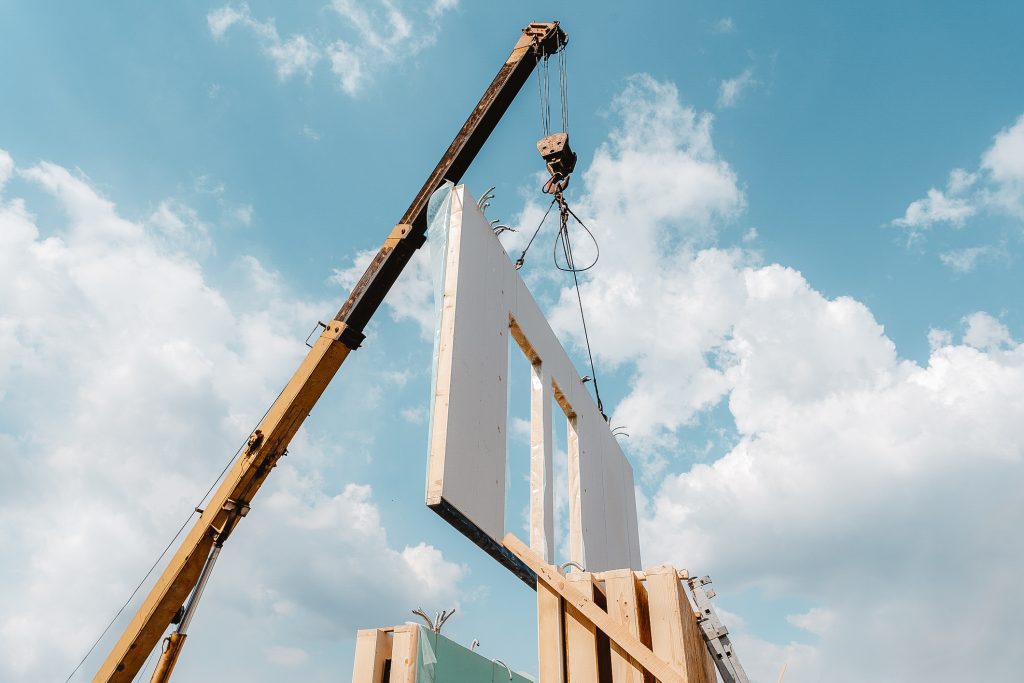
(806, 313)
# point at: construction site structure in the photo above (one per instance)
(269, 442)
(621, 626)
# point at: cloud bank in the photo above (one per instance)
(865, 486)
(126, 379)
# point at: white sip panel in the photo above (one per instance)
(484, 303)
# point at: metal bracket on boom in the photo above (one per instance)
(716, 635)
(239, 508)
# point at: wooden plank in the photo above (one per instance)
(616, 632)
(542, 506)
(577, 545)
(625, 606)
(580, 634)
(373, 646)
(645, 619)
(675, 636)
(404, 651)
(550, 643)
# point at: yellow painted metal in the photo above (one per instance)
(168, 658)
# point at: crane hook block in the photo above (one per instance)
(559, 157)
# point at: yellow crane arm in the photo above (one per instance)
(344, 334)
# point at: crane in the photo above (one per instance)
(176, 593)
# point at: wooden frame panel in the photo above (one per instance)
(485, 302)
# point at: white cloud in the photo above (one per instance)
(126, 378)
(655, 192)
(221, 19)
(816, 620)
(347, 65)
(985, 333)
(384, 33)
(296, 55)
(724, 25)
(730, 90)
(961, 180)
(231, 213)
(416, 416)
(1004, 161)
(181, 226)
(858, 481)
(938, 338)
(439, 7)
(966, 260)
(242, 214)
(6, 168)
(995, 189)
(937, 207)
(412, 297)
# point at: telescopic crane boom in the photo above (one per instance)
(188, 569)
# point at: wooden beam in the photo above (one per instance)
(542, 506)
(617, 633)
(550, 639)
(373, 647)
(580, 634)
(404, 647)
(625, 605)
(675, 636)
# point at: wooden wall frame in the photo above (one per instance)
(484, 303)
